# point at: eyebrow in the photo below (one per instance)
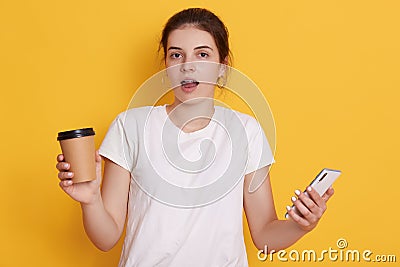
(202, 47)
(196, 48)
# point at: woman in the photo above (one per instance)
(175, 226)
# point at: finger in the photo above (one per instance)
(98, 157)
(314, 195)
(65, 183)
(328, 194)
(296, 217)
(63, 166)
(65, 175)
(60, 157)
(308, 214)
(310, 204)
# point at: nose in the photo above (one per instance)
(188, 66)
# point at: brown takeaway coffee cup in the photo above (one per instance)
(79, 151)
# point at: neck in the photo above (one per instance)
(191, 115)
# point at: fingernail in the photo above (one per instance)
(69, 174)
(297, 192)
(309, 189)
(66, 165)
(288, 208)
(294, 199)
(69, 182)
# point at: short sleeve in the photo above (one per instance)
(117, 146)
(259, 150)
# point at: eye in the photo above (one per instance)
(175, 55)
(203, 54)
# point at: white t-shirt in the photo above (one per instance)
(186, 191)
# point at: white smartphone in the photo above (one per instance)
(321, 183)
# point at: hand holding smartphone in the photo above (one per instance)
(321, 183)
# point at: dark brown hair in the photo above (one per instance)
(201, 19)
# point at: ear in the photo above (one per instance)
(225, 61)
(222, 67)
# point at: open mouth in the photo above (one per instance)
(189, 85)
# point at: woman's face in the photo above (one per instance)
(193, 63)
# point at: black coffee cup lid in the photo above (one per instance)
(75, 134)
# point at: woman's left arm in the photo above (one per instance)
(265, 228)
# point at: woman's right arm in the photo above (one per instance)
(103, 211)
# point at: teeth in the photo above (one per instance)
(189, 81)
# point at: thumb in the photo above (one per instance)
(97, 156)
(98, 165)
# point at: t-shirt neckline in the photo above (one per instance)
(204, 129)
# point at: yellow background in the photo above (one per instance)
(329, 69)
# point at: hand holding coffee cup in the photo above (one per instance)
(79, 152)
